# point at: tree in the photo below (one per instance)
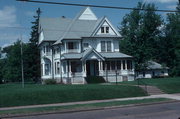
(172, 34)
(33, 60)
(141, 32)
(12, 68)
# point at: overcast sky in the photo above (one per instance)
(20, 14)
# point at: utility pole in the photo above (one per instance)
(22, 67)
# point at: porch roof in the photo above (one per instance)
(115, 55)
(105, 55)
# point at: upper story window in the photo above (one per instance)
(106, 46)
(104, 29)
(47, 50)
(72, 47)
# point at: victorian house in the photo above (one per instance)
(72, 49)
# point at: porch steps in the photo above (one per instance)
(152, 90)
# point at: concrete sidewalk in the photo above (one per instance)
(170, 96)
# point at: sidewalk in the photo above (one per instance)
(170, 96)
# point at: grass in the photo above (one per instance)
(80, 106)
(168, 85)
(32, 94)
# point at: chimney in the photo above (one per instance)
(63, 17)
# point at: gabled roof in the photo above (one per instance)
(90, 51)
(155, 65)
(57, 29)
(98, 26)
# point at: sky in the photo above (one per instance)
(16, 17)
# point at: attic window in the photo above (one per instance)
(104, 29)
(107, 29)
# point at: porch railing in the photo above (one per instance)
(113, 72)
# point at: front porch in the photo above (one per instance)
(75, 71)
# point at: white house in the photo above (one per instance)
(72, 49)
(153, 69)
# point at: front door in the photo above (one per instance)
(92, 68)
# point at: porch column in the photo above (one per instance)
(43, 69)
(69, 67)
(85, 66)
(99, 65)
(121, 64)
(125, 64)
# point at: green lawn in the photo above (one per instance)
(15, 95)
(81, 106)
(168, 85)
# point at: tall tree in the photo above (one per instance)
(34, 55)
(12, 68)
(173, 36)
(141, 31)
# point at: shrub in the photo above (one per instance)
(95, 79)
(50, 81)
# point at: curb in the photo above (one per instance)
(84, 110)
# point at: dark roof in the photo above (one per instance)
(155, 65)
(56, 28)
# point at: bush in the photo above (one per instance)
(95, 79)
(50, 81)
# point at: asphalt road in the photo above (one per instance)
(158, 111)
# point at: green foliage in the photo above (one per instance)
(172, 33)
(140, 31)
(15, 95)
(33, 51)
(95, 79)
(12, 68)
(50, 81)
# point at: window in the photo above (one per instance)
(104, 29)
(107, 29)
(47, 48)
(72, 45)
(76, 66)
(103, 48)
(106, 46)
(56, 50)
(47, 69)
(58, 68)
(109, 46)
(64, 67)
(86, 45)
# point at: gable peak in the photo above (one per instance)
(87, 14)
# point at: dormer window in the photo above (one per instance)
(104, 29)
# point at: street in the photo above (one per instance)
(158, 111)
